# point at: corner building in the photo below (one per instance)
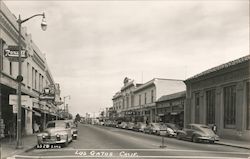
(221, 96)
(36, 76)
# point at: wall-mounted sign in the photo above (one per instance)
(48, 93)
(25, 100)
(12, 53)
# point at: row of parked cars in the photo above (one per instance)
(193, 132)
(58, 132)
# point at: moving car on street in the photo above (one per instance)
(197, 133)
(56, 132)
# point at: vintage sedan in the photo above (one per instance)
(197, 133)
(123, 125)
(130, 125)
(172, 129)
(139, 126)
(56, 132)
(154, 128)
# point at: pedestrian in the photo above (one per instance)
(214, 128)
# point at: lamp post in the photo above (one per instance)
(19, 77)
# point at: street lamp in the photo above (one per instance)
(20, 77)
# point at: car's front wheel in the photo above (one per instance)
(195, 139)
(178, 136)
(211, 142)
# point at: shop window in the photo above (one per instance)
(248, 105)
(197, 107)
(229, 98)
(210, 103)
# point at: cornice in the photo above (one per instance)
(9, 28)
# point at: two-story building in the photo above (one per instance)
(221, 96)
(147, 94)
(137, 102)
(36, 76)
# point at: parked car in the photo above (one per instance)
(153, 128)
(139, 126)
(130, 125)
(123, 125)
(56, 132)
(117, 124)
(101, 123)
(197, 133)
(107, 123)
(172, 129)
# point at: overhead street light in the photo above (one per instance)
(19, 77)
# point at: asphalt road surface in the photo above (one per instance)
(106, 142)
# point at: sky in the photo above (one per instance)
(91, 46)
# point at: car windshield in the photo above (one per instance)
(173, 126)
(51, 125)
(56, 124)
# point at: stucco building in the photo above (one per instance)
(221, 96)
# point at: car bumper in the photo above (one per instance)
(51, 141)
(209, 138)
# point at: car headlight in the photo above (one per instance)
(58, 137)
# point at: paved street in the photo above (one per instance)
(100, 141)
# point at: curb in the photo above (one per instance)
(12, 156)
(237, 146)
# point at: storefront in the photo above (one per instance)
(170, 108)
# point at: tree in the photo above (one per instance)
(77, 118)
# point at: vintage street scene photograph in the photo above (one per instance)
(145, 79)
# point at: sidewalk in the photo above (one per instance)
(234, 143)
(9, 146)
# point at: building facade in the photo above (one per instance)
(221, 96)
(170, 108)
(123, 100)
(147, 94)
(36, 76)
(137, 102)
